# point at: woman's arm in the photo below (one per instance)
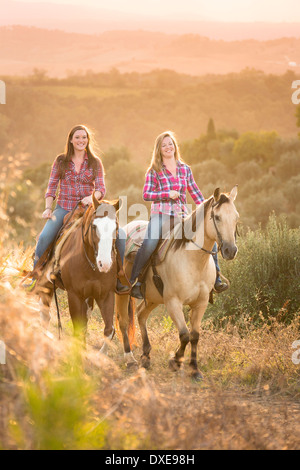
(193, 188)
(47, 214)
(51, 191)
(53, 182)
(100, 189)
(151, 190)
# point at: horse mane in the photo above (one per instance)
(189, 224)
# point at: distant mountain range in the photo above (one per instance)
(24, 48)
(94, 20)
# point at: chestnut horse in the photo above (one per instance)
(188, 273)
(88, 269)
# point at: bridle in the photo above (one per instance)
(93, 231)
(219, 236)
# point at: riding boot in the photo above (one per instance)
(121, 289)
(220, 286)
(136, 291)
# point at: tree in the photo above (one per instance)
(211, 131)
(259, 146)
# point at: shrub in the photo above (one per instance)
(264, 277)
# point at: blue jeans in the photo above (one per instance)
(52, 228)
(152, 237)
(49, 232)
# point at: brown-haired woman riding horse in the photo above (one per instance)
(77, 172)
(88, 268)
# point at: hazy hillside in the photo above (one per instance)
(94, 20)
(22, 49)
(131, 109)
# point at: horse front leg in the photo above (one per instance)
(174, 308)
(106, 307)
(196, 317)
(45, 293)
(78, 311)
(124, 309)
(143, 313)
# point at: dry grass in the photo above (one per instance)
(54, 395)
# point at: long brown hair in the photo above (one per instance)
(157, 160)
(63, 159)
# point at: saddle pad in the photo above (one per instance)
(136, 234)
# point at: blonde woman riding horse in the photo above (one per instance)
(167, 180)
(188, 274)
(188, 271)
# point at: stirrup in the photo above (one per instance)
(136, 291)
(121, 289)
(220, 286)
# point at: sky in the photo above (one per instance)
(215, 10)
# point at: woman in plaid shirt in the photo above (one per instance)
(167, 180)
(77, 173)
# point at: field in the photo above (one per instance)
(56, 395)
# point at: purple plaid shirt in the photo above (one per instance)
(75, 186)
(158, 186)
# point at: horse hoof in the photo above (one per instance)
(145, 362)
(197, 376)
(132, 366)
(173, 365)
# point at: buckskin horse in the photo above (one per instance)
(88, 269)
(188, 276)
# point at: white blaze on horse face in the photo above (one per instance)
(105, 230)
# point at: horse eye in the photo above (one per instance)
(218, 218)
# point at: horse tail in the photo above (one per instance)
(131, 325)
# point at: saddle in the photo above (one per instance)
(50, 258)
(136, 235)
(135, 238)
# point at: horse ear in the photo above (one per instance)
(233, 193)
(217, 194)
(117, 205)
(96, 203)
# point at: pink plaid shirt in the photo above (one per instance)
(75, 186)
(158, 186)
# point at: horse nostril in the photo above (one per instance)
(229, 252)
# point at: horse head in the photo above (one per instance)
(223, 222)
(102, 228)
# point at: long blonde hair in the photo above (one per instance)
(157, 160)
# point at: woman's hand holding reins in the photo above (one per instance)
(47, 214)
(174, 194)
(86, 201)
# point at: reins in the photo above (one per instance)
(219, 236)
(59, 325)
(83, 235)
